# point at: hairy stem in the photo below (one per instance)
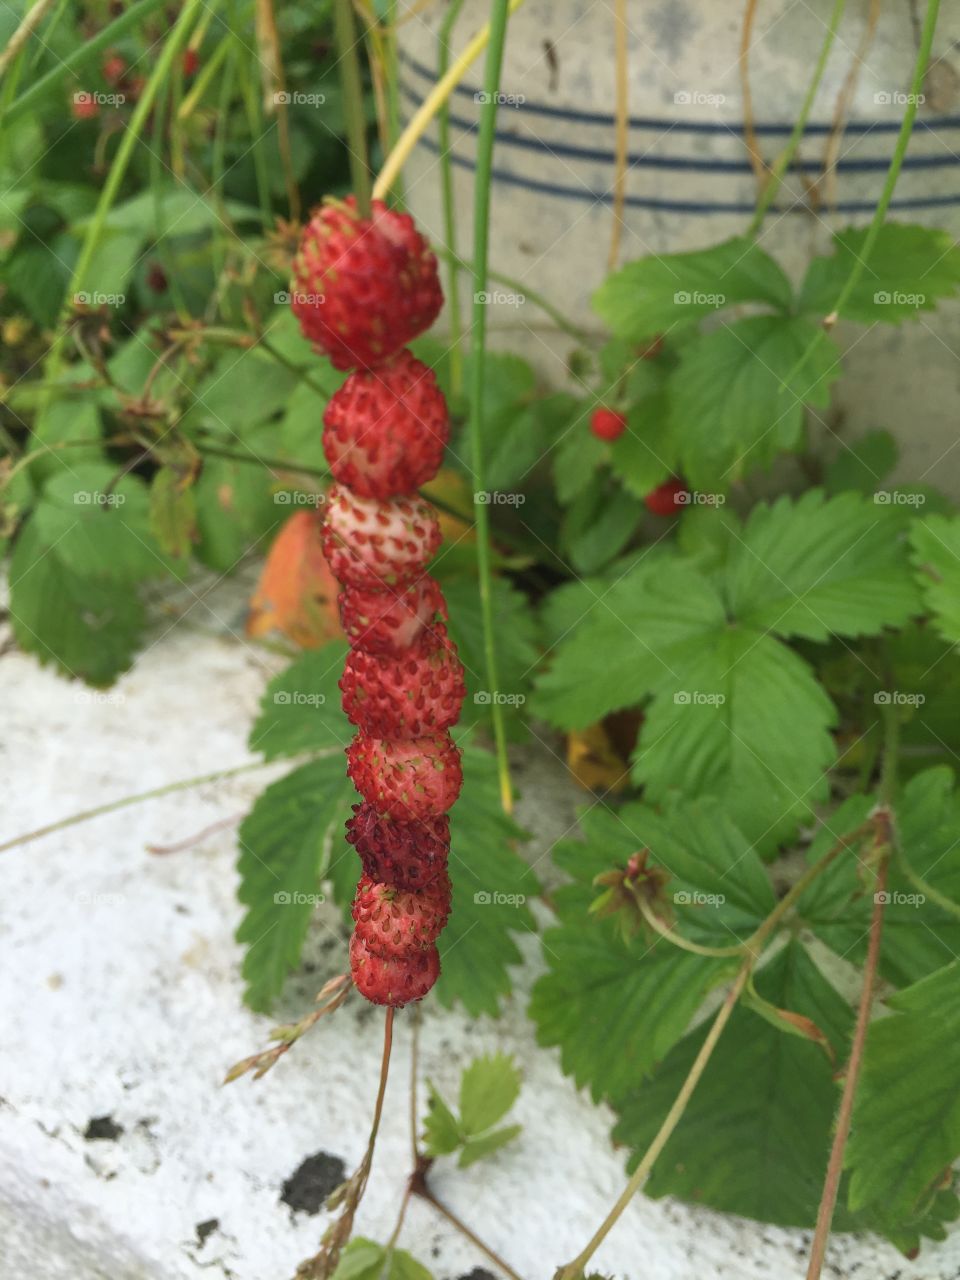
(664, 930)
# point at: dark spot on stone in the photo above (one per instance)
(204, 1229)
(103, 1129)
(478, 1273)
(309, 1186)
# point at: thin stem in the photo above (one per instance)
(481, 245)
(113, 805)
(831, 1184)
(934, 895)
(575, 1268)
(664, 930)
(352, 83)
(782, 163)
(753, 948)
(622, 128)
(749, 128)
(31, 20)
(890, 182)
(423, 1191)
(521, 287)
(828, 178)
(437, 96)
(449, 211)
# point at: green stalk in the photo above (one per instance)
(352, 82)
(481, 238)
(782, 163)
(880, 213)
(393, 88)
(250, 88)
(87, 52)
(449, 213)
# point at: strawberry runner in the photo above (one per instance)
(363, 287)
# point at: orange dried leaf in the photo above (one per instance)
(297, 593)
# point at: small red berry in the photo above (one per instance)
(191, 62)
(408, 855)
(84, 106)
(395, 921)
(385, 430)
(664, 500)
(389, 621)
(114, 69)
(406, 780)
(607, 424)
(157, 278)
(363, 287)
(393, 980)
(411, 695)
(369, 543)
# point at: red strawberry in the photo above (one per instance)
(407, 855)
(607, 424)
(390, 621)
(114, 69)
(412, 695)
(385, 430)
(393, 980)
(394, 921)
(84, 106)
(363, 287)
(191, 62)
(662, 501)
(406, 780)
(369, 543)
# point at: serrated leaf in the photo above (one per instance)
(666, 290)
(364, 1260)
(88, 627)
(615, 1008)
(910, 269)
(762, 1093)
(918, 935)
(489, 1087)
(477, 1148)
(732, 408)
(936, 556)
(906, 1123)
(284, 842)
(863, 465)
(647, 453)
(100, 527)
(598, 525)
(300, 709)
(745, 719)
(441, 1133)
(492, 885)
(818, 566)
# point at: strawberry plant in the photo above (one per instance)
(673, 571)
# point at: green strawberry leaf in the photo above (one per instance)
(173, 512)
(287, 843)
(909, 270)
(364, 1260)
(647, 452)
(89, 628)
(731, 406)
(478, 1148)
(762, 1092)
(664, 291)
(489, 1087)
(906, 1121)
(441, 1132)
(936, 554)
(300, 710)
(863, 465)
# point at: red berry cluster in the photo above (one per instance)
(362, 288)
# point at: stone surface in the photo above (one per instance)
(122, 1158)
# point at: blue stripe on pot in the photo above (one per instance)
(693, 164)
(687, 206)
(606, 121)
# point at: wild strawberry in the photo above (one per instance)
(662, 501)
(406, 780)
(393, 980)
(157, 278)
(84, 106)
(408, 855)
(607, 424)
(394, 921)
(412, 695)
(191, 62)
(363, 287)
(385, 430)
(389, 621)
(369, 543)
(114, 69)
